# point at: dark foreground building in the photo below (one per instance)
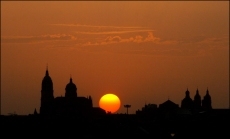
(70, 104)
(197, 103)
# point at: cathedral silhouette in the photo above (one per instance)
(197, 103)
(70, 104)
(187, 105)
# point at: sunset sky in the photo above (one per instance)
(144, 52)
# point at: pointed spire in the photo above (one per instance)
(47, 72)
(197, 96)
(35, 111)
(71, 79)
(207, 92)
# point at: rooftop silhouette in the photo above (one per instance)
(70, 104)
(74, 116)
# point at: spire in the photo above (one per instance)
(70, 79)
(187, 93)
(35, 112)
(47, 72)
(197, 96)
(207, 92)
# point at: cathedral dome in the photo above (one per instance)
(70, 86)
(71, 89)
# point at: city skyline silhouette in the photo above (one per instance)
(166, 61)
(73, 104)
(144, 52)
(197, 102)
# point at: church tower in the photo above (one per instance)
(206, 102)
(71, 89)
(46, 94)
(187, 102)
(197, 100)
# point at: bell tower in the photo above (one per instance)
(197, 100)
(46, 94)
(207, 102)
(187, 102)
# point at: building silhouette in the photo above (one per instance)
(70, 104)
(197, 100)
(188, 105)
(206, 102)
(168, 105)
(187, 102)
(197, 103)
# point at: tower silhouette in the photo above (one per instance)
(207, 102)
(46, 94)
(187, 102)
(197, 100)
(69, 105)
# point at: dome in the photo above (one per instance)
(70, 86)
(71, 90)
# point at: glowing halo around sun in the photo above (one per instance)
(110, 103)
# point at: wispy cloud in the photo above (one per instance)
(41, 38)
(94, 26)
(113, 32)
(103, 30)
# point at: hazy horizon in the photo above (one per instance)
(144, 52)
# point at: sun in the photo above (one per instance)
(110, 103)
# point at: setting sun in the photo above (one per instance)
(110, 103)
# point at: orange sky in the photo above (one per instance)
(144, 52)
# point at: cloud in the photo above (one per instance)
(150, 45)
(94, 26)
(113, 39)
(151, 37)
(112, 32)
(103, 30)
(118, 39)
(34, 39)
